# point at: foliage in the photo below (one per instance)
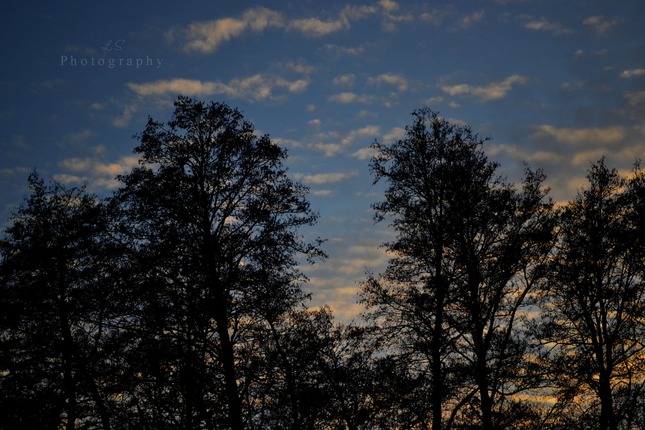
(177, 301)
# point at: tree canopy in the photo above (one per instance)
(178, 300)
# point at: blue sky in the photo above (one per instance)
(556, 84)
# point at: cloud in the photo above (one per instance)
(350, 97)
(587, 157)
(325, 178)
(126, 116)
(206, 37)
(544, 25)
(96, 173)
(347, 79)
(635, 99)
(492, 91)
(342, 141)
(393, 135)
(18, 141)
(517, 152)
(633, 73)
(388, 5)
(390, 79)
(361, 133)
(329, 149)
(343, 50)
(364, 153)
(79, 136)
(254, 88)
(469, 20)
(595, 135)
(316, 27)
(390, 19)
(600, 24)
(188, 87)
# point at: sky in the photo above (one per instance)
(555, 84)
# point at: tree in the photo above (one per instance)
(467, 253)
(213, 221)
(54, 306)
(592, 328)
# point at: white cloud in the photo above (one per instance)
(325, 178)
(391, 79)
(97, 173)
(316, 27)
(388, 5)
(350, 97)
(544, 25)
(600, 24)
(256, 87)
(343, 50)
(329, 149)
(492, 91)
(188, 87)
(79, 136)
(393, 135)
(364, 153)
(522, 154)
(206, 37)
(435, 100)
(361, 133)
(595, 135)
(321, 193)
(347, 79)
(126, 115)
(469, 20)
(636, 98)
(633, 73)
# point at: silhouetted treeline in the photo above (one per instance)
(177, 301)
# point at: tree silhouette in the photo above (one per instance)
(467, 254)
(592, 324)
(55, 301)
(213, 220)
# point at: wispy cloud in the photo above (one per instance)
(340, 142)
(635, 99)
(316, 27)
(545, 25)
(361, 133)
(256, 87)
(346, 79)
(593, 135)
(600, 24)
(520, 153)
(324, 178)
(188, 87)
(468, 20)
(96, 173)
(351, 97)
(207, 36)
(391, 18)
(492, 91)
(395, 80)
(632, 73)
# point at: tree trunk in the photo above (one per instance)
(230, 379)
(607, 416)
(438, 394)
